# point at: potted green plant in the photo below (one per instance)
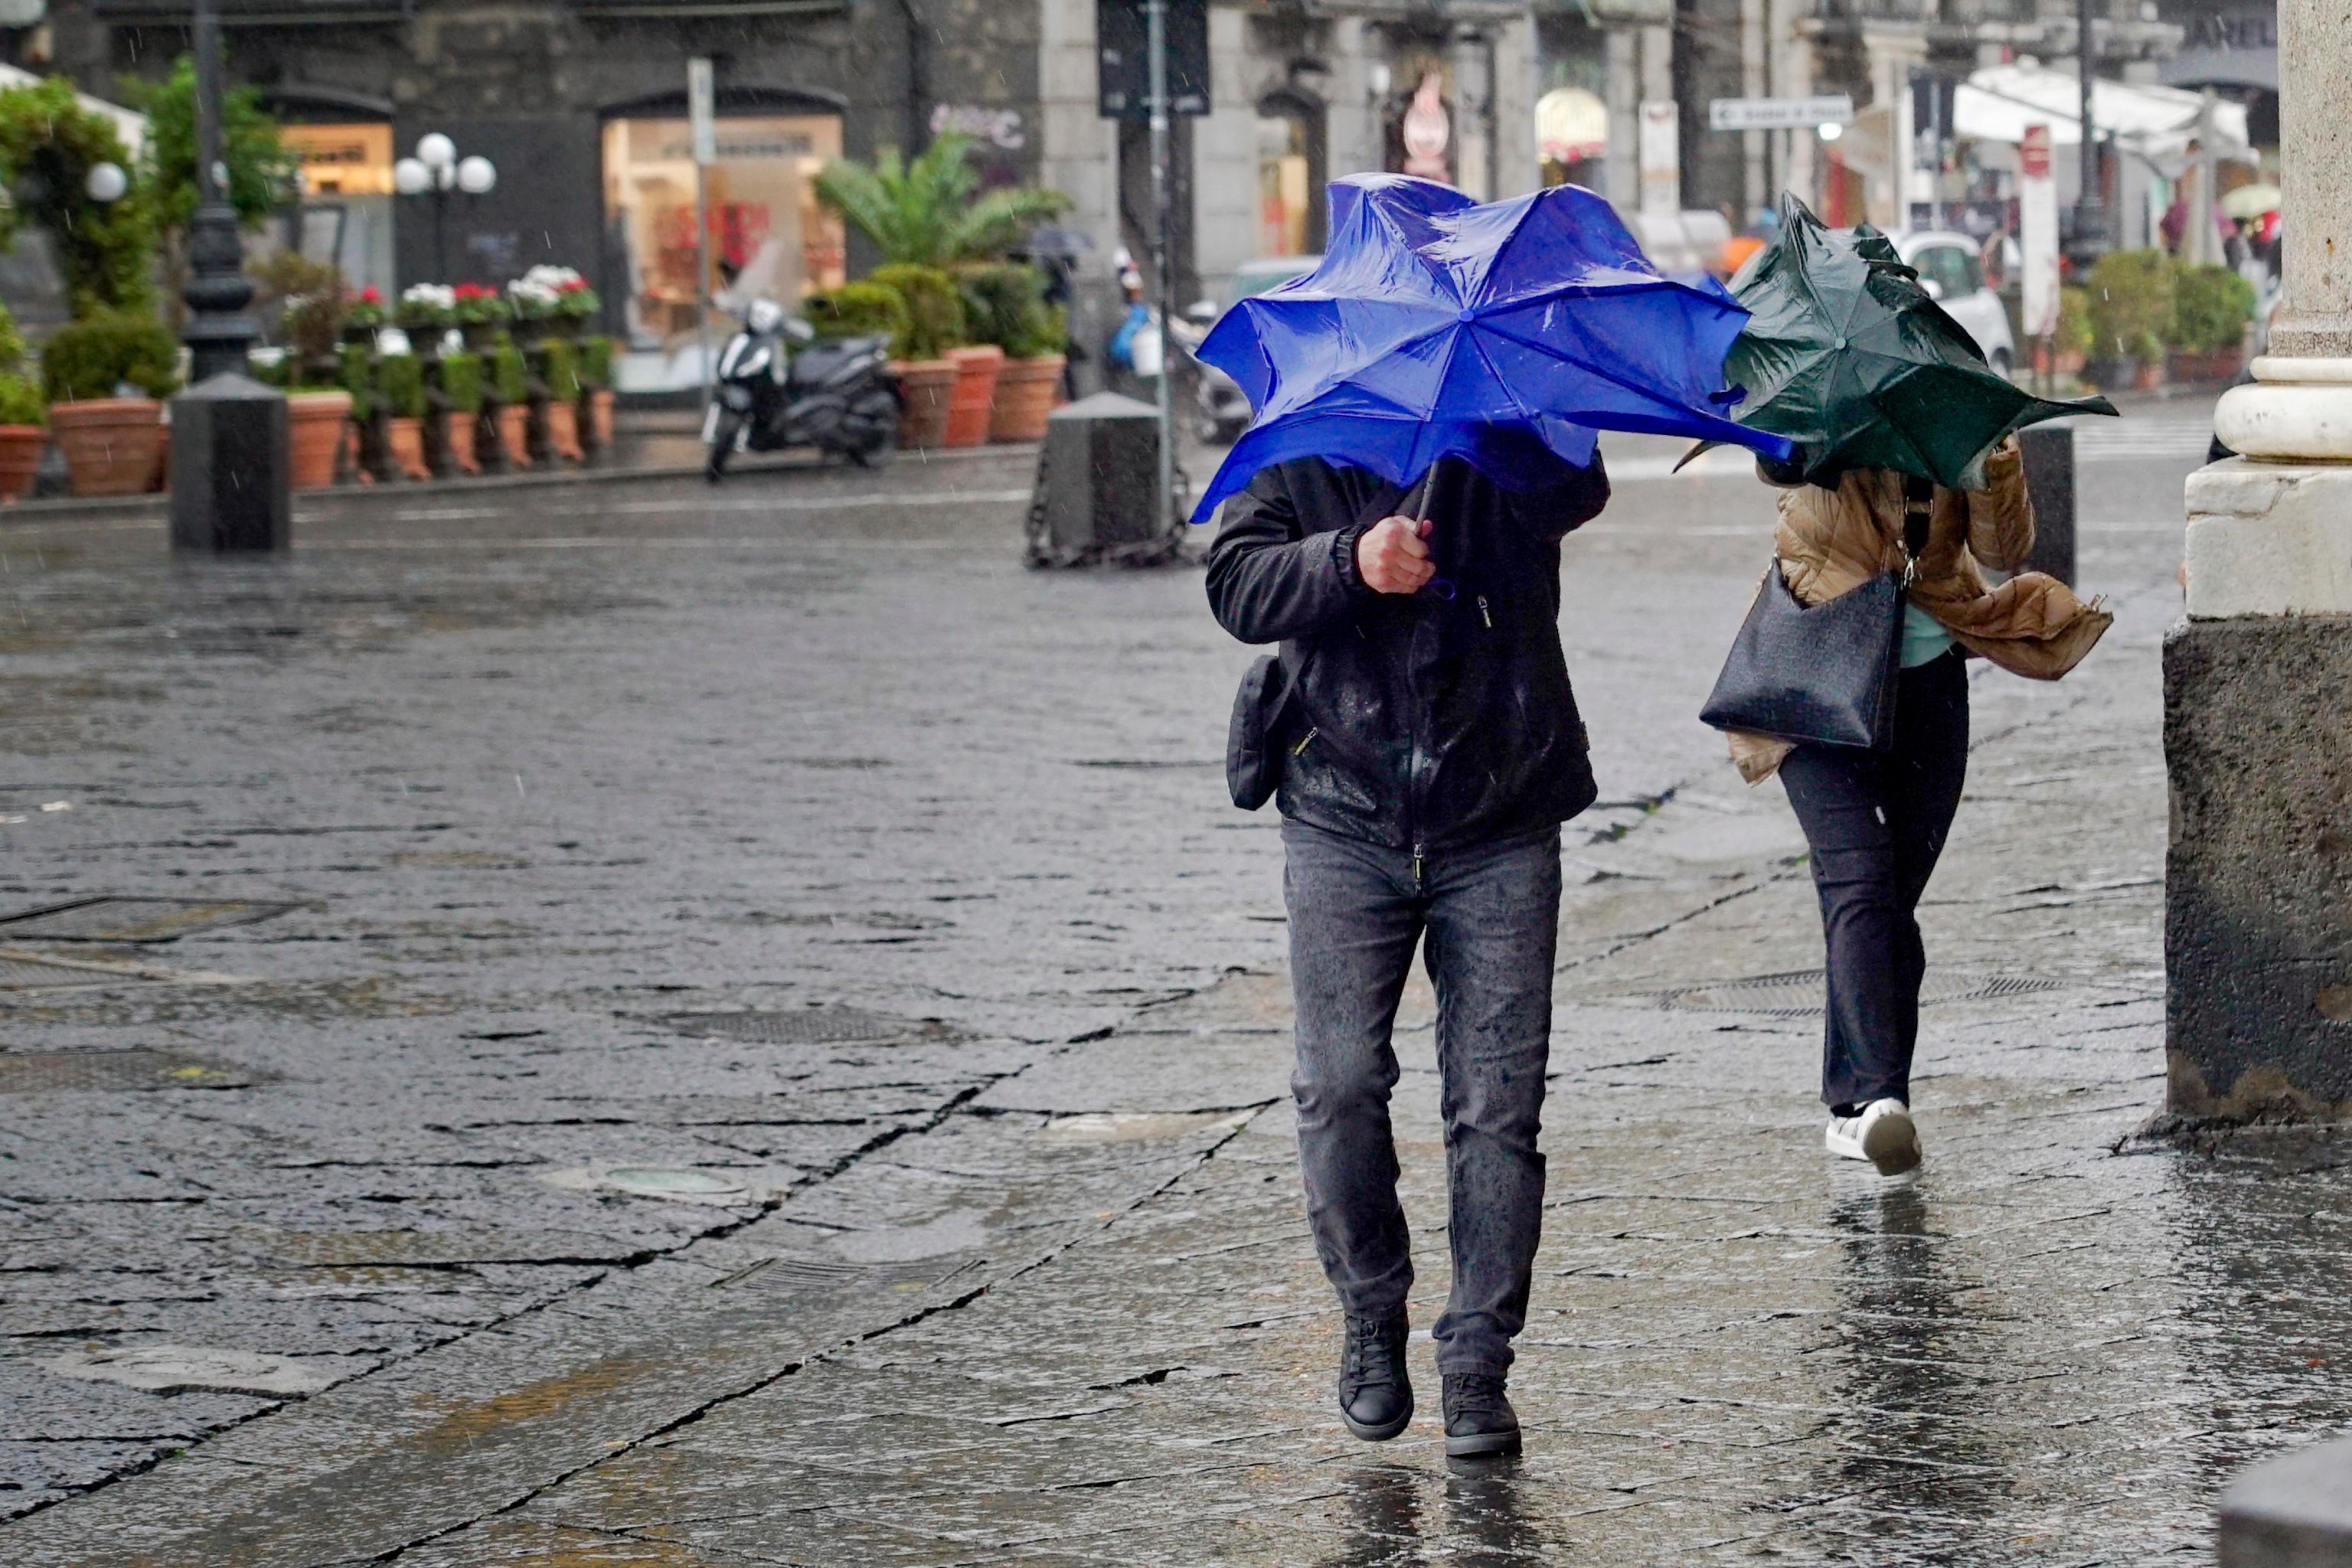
(597, 353)
(510, 385)
(2212, 308)
(2072, 341)
(559, 374)
(361, 437)
(858, 311)
(2131, 309)
(364, 316)
(425, 312)
(1005, 304)
(533, 298)
(459, 376)
(927, 376)
(481, 314)
(105, 376)
(400, 383)
(24, 415)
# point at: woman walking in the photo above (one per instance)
(1876, 819)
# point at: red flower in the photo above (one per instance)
(368, 296)
(577, 286)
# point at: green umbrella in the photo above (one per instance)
(1845, 354)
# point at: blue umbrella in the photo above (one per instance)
(1505, 333)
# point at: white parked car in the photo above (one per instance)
(1952, 274)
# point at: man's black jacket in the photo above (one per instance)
(1418, 723)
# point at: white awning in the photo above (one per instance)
(1999, 102)
(129, 124)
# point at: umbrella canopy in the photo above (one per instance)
(1507, 334)
(2251, 201)
(1845, 354)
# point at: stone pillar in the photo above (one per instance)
(2258, 742)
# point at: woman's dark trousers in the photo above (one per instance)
(1877, 822)
(1491, 917)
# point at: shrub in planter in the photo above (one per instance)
(24, 430)
(1005, 305)
(112, 444)
(558, 372)
(510, 382)
(400, 387)
(2072, 341)
(479, 314)
(2130, 300)
(935, 320)
(596, 356)
(459, 377)
(859, 310)
(2210, 309)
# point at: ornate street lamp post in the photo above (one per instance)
(228, 431)
(436, 171)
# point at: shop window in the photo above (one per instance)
(768, 235)
(345, 215)
(1290, 175)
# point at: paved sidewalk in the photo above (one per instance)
(1012, 1270)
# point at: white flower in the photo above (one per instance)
(530, 291)
(436, 296)
(554, 279)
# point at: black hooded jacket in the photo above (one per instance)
(1415, 722)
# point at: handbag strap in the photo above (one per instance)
(1919, 498)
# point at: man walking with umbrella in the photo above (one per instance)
(1419, 723)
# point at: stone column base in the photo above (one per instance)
(2291, 1512)
(2258, 884)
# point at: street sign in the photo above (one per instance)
(701, 110)
(1659, 146)
(2037, 234)
(1780, 113)
(1123, 48)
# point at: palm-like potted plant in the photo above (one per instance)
(930, 212)
(106, 376)
(1004, 303)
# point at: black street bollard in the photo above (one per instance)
(229, 490)
(2294, 1511)
(2050, 479)
(1096, 477)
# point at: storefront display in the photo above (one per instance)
(346, 210)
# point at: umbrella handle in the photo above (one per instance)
(1436, 588)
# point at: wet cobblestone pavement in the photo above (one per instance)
(779, 1057)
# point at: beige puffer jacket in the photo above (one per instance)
(1831, 542)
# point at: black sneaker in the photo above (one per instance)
(1375, 1392)
(1479, 1419)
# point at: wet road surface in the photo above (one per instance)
(777, 1055)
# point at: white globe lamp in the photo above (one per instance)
(435, 151)
(476, 176)
(410, 177)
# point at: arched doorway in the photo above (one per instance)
(768, 236)
(1291, 173)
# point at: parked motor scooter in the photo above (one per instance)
(778, 387)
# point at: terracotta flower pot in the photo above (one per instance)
(2147, 374)
(405, 438)
(600, 414)
(514, 434)
(20, 457)
(110, 443)
(317, 426)
(458, 441)
(563, 432)
(973, 394)
(924, 387)
(1025, 391)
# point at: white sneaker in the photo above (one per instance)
(1882, 1135)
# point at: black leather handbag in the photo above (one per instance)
(1254, 739)
(1824, 675)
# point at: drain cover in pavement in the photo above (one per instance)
(175, 1369)
(22, 970)
(1798, 994)
(41, 1073)
(797, 1026)
(133, 920)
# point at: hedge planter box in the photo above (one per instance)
(20, 457)
(111, 444)
(973, 394)
(2216, 366)
(458, 441)
(315, 433)
(1025, 389)
(514, 434)
(924, 387)
(404, 438)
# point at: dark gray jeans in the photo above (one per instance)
(1491, 916)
